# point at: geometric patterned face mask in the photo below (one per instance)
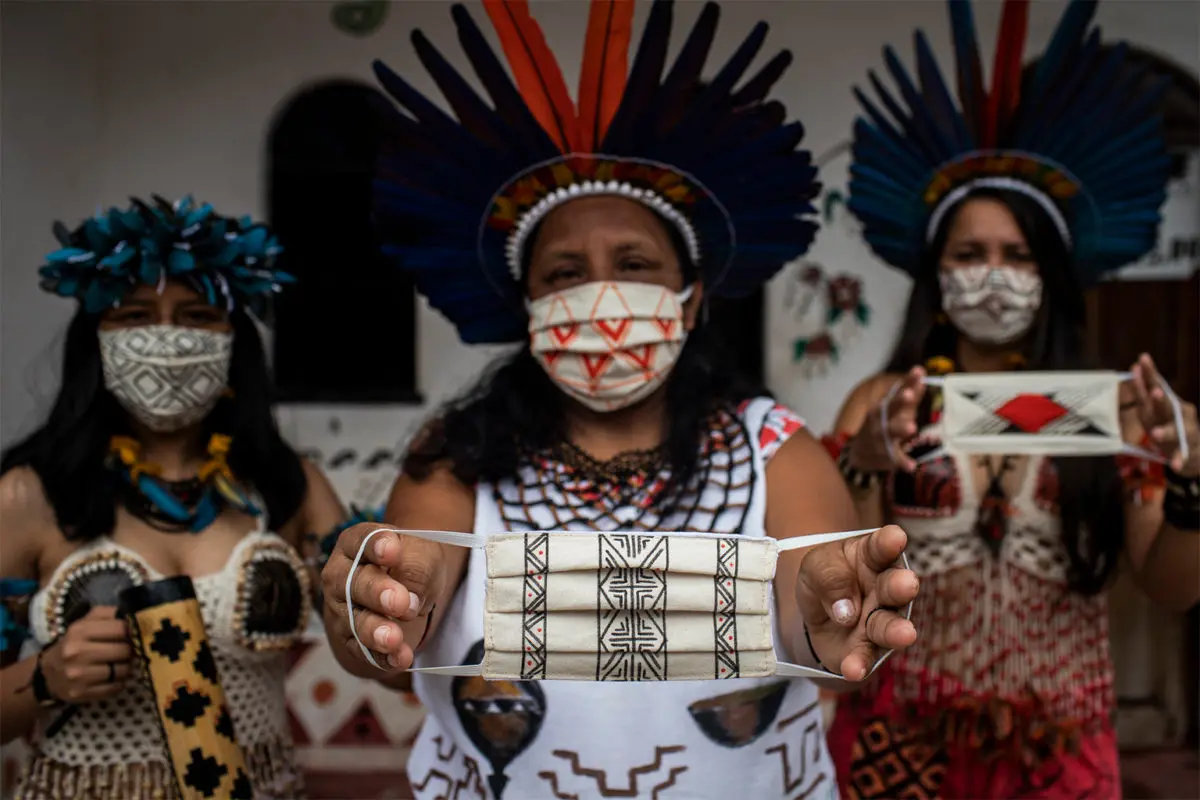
(166, 376)
(624, 606)
(1037, 413)
(991, 305)
(608, 344)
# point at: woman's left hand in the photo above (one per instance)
(851, 595)
(1157, 417)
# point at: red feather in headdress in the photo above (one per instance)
(1006, 74)
(605, 68)
(535, 70)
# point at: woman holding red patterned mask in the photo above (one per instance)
(1009, 693)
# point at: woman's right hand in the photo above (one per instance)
(868, 450)
(394, 577)
(91, 661)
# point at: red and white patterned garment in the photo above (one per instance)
(1008, 691)
(691, 740)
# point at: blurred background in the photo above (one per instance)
(266, 108)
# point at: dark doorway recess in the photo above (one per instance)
(346, 332)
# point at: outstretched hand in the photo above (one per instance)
(1156, 414)
(851, 595)
(394, 576)
(881, 443)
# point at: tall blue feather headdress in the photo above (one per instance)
(1077, 137)
(228, 261)
(459, 196)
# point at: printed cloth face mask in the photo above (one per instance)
(166, 376)
(1035, 413)
(991, 305)
(624, 606)
(608, 344)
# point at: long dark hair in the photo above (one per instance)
(1089, 496)
(69, 451)
(516, 410)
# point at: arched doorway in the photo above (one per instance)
(346, 333)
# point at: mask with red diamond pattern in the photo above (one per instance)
(608, 344)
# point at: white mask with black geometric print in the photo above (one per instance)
(620, 606)
(166, 376)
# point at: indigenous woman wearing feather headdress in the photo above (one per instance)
(589, 233)
(160, 457)
(1001, 208)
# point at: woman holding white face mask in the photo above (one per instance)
(590, 233)
(160, 457)
(1009, 693)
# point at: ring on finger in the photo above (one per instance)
(867, 621)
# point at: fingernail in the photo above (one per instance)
(843, 611)
(382, 635)
(414, 603)
(381, 548)
(393, 660)
(388, 599)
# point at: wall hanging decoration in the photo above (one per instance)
(829, 310)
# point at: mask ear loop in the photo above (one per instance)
(1177, 415)
(443, 537)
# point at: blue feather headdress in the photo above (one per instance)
(458, 196)
(228, 261)
(1076, 137)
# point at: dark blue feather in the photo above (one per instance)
(937, 96)
(678, 87)
(971, 94)
(528, 134)
(1064, 44)
(933, 139)
(472, 112)
(757, 88)
(716, 95)
(641, 88)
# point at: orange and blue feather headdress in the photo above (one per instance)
(459, 196)
(1077, 136)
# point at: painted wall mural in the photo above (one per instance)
(830, 310)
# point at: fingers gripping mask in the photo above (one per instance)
(1035, 413)
(991, 305)
(625, 607)
(166, 376)
(608, 344)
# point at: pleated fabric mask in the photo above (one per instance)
(1036, 413)
(625, 606)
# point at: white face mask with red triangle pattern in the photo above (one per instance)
(608, 344)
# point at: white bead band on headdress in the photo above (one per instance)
(528, 222)
(998, 182)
